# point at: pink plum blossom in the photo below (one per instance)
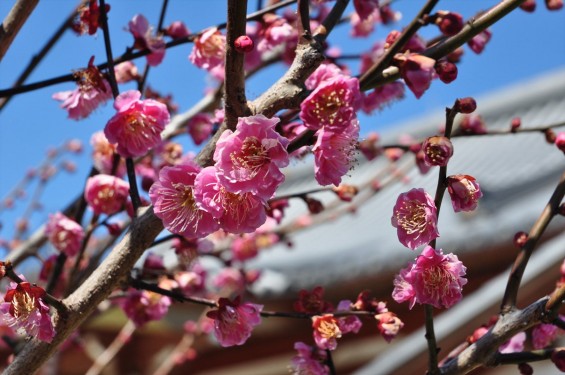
(479, 41)
(364, 8)
(142, 306)
(417, 71)
(234, 321)
(332, 104)
(229, 281)
(437, 151)
(388, 324)
(334, 152)
(173, 202)
(23, 309)
(126, 72)
(209, 50)
(382, 96)
(249, 159)
(144, 39)
(106, 194)
(276, 31)
(415, 218)
(91, 91)
(236, 212)
(363, 27)
(543, 335)
(327, 329)
(65, 235)
(325, 72)
(137, 126)
(103, 155)
(309, 360)
(464, 191)
(434, 279)
(200, 127)
(177, 30)
(514, 345)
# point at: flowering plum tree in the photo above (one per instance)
(223, 203)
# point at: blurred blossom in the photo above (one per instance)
(144, 39)
(106, 194)
(65, 235)
(234, 321)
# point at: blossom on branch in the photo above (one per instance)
(464, 191)
(23, 309)
(415, 218)
(65, 235)
(328, 328)
(250, 159)
(144, 39)
(234, 321)
(209, 52)
(417, 71)
(434, 279)
(309, 360)
(173, 202)
(142, 306)
(106, 194)
(137, 126)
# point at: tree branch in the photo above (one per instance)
(13, 23)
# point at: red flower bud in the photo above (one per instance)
(525, 369)
(466, 105)
(549, 136)
(244, 44)
(314, 205)
(446, 71)
(528, 6)
(437, 151)
(515, 124)
(560, 141)
(520, 239)
(449, 23)
(554, 4)
(558, 358)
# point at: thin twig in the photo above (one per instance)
(112, 350)
(13, 23)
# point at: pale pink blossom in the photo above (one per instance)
(126, 72)
(192, 282)
(334, 152)
(173, 202)
(91, 91)
(144, 39)
(236, 212)
(309, 360)
(209, 50)
(234, 321)
(65, 235)
(434, 279)
(142, 306)
(464, 191)
(106, 194)
(137, 125)
(514, 345)
(276, 32)
(200, 127)
(229, 281)
(479, 41)
(249, 160)
(23, 310)
(103, 155)
(177, 30)
(244, 248)
(417, 71)
(415, 218)
(332, 104)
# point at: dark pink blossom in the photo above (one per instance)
(543, 335)
(334, 152)
(106, 194)
(137, 126)
(325, 72)
(312, 302)
(200, 127)
(91, 91)
(276, 31)
(177, 30)
(87, 19)
(473, 124)
(364, 8)
(142, 306)
(234, 321)
(23, 309)
(144, 39)
(332, 104)
(437, 151)
(464, 191)
(560, 141)
(249, 160)
(65, 235)
(209, 50)
(479, 41)
(327, 329)
(244, 44)
(514, 345)
(449, 23)
(382, 96)
(417, 71)
(434, 279)
(236, 212)
(229, 281)
(363, 27)
(415, 218)
(309, 360)
(173, 202)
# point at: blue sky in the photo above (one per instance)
(523, 46)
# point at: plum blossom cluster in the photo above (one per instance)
(144, 39)
(434, 278)
(23, 310)
(231, 195)
(330, 111)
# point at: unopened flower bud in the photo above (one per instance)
(558, 359)
(528, 6)
(520, 239)
(525, 369)
(560, 141)
(114, 229)
(314, 205)
(466, 105)
(346, 192)
(243, 44)
(473, 124)
(515, 124)
(554, 4)
(549, 136)
(437, 151)
(446, 71)
(464, 191)
(449, 23)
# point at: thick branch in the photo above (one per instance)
(14, 22)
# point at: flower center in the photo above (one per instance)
(329, 329)
(327, 107)
(412, 216)
(251, 157)
(437, 281)
(23, 304)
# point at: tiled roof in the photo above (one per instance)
(516, 172)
